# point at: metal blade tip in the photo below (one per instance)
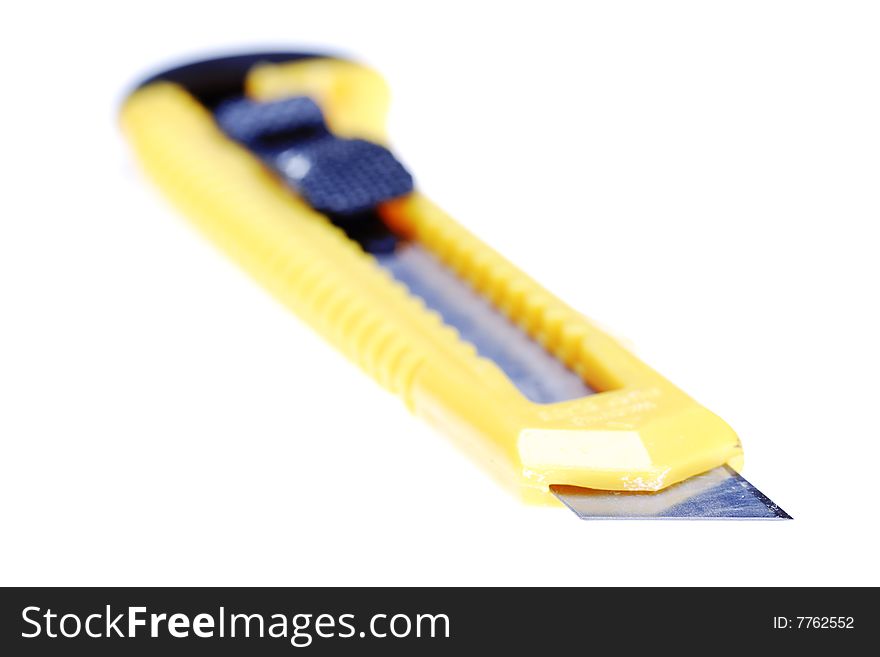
(719, 494)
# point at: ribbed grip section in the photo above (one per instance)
(559, 328)
(355, 326)
(294, 252)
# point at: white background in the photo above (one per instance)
(700, 177)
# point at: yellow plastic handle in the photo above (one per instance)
(639, 433)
